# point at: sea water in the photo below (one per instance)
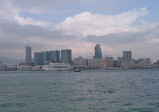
(85, 91)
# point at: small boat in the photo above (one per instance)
(77, 70)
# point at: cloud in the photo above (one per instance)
(14, 37)
(42, 6)
(39, 3)
(29, 21)
(7, 11)
(11, 14)
(118, 38)
(87, 23)
(42, 3)
(143, 44)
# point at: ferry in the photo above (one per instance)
(24, 68)
(57, 67)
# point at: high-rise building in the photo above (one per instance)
(28, 54)
(54, 56)
(98, 52)
(66, 56)
(44, 57)
(37, 58)
(127, 56)
(0, 62)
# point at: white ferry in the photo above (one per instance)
(24, 68)
(57, 67)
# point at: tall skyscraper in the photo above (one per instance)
(44, 57)
(127, 56)
(0, 62)
(28, 54)
(66, 56)
(37, 58)
(98, 52)
(54, 56)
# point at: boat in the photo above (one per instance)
(57, 67)
(77, 70)
(24, 68)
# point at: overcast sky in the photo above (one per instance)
(116, 25)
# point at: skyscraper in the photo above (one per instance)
(37, 58)
(0, 62)
(127, 56)
(44, 57)
(98, 52)
(54, 56)
(28, 54)
(66, 56)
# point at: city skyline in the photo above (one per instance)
(45, 58)
(97, 62)
(55, 55)
(117, 25)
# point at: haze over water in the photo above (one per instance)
(86, 91)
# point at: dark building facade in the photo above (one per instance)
(54, 56)
(66, 56)
(98, 52)
(44, 57)
(37, 58)
(127, 56)
(0, 62)
(28, 54)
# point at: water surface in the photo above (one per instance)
(86, 91)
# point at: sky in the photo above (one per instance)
(46, 25)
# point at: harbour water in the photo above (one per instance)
(85, 91)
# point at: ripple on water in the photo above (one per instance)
(80, 99)
(121, 110)
(128, 104)
(154, 104)
(12, 105)
(140, 110)
(25, 96)
(103, 109)
(111, 90)
(89, 91)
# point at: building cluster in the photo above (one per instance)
(127, 62)
(46, 57)
(124, 62)
(65, 56)
(97, 62)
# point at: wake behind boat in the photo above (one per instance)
(57, 67)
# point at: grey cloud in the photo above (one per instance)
(36, 4)
(14, 36)
(28, 31)
(124, 38)
(139, 43)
